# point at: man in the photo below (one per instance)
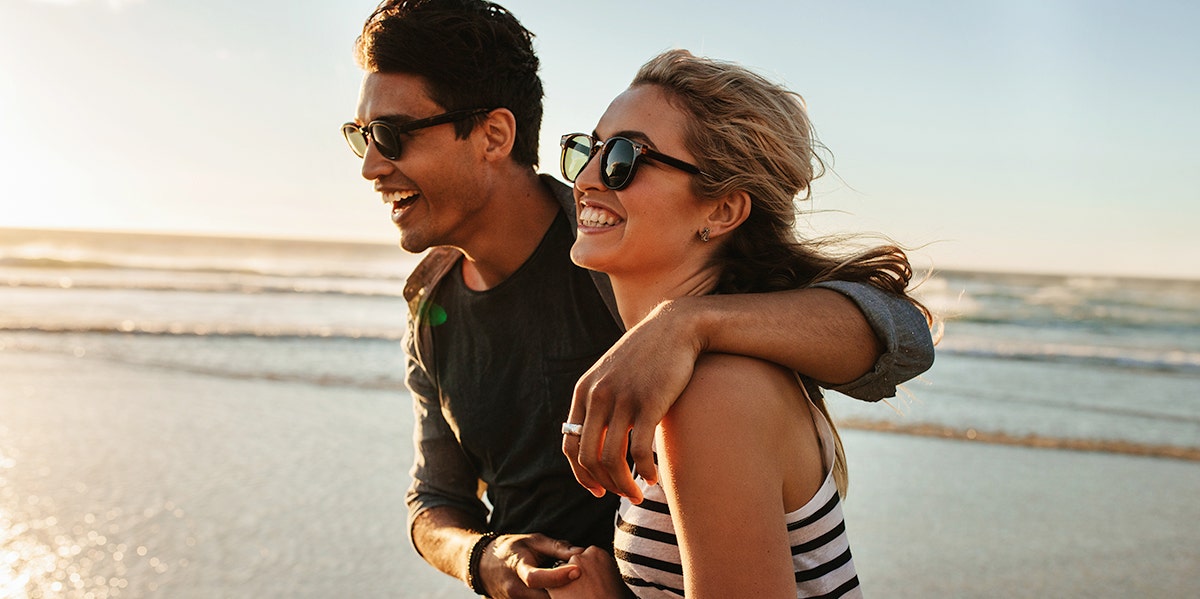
(502, 325)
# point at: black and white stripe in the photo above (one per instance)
(647, 550)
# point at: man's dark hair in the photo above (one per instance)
(471, 54)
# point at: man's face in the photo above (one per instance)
(431, 187)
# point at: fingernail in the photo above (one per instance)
(573, 574)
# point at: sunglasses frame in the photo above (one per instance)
(605, 149)
(396, 130)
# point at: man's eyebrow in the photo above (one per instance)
(393, 119)
(396, 119)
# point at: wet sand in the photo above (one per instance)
(942, 518)
(131, 481)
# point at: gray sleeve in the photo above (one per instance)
(900, 327)
(442, 476)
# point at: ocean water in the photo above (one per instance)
(237, 346)
(1051, 356)
(1066, 361)
(317, 313)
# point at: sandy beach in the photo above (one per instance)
(131, 481)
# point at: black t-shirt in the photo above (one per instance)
(508, 359)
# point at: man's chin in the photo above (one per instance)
(412, 244)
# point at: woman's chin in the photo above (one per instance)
(586, 256)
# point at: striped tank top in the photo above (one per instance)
(647, 551)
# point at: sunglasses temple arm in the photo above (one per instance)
(675, 162)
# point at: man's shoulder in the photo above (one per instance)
(562, 193)
(429, 271)
(440, 260)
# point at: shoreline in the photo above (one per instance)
(1106, 446)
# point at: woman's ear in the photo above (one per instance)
(499, 133)
(728, 213)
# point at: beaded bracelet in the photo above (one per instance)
(474, 580)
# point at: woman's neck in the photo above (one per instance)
(637, 295)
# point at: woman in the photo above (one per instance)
(687, 187)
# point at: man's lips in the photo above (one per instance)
(400, 200)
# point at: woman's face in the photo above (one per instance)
(651, 226)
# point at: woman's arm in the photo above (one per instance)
(725, 450)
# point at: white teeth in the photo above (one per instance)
(399, 196)
(591, 216)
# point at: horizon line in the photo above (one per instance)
(958, 269)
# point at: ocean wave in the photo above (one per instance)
(183, 266)
(1062, 301)
(998, 437)
(1169, 360)
(181, 330)
(307, 378)
(387, 381)
(218, 282)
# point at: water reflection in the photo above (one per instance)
(45, 552)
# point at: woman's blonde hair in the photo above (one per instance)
(747, 133)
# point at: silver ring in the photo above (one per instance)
(572, 429)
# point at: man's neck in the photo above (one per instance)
(516, 219)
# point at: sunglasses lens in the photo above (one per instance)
(354, 137)
(576, 152)
(617, 166)
(385, 140)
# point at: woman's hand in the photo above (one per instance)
(599, 577)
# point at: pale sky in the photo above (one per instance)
(1038, 136)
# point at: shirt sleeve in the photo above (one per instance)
(442, 475)
(901, 327)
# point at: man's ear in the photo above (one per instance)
(499, 134)
(728, 213)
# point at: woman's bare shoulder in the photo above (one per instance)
(740, 378)
(735, 393)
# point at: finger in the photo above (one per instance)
(579, 407)
(591, 442)
(596, 555)
(548, 549)
(571, 442)
(615, 462)
(538, 549)
(585, 478)
(548, 578)
(509, 582)
(608, 462)
(641, 449)
(591, 456)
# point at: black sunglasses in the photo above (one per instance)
(618, 159)
(387, 135)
